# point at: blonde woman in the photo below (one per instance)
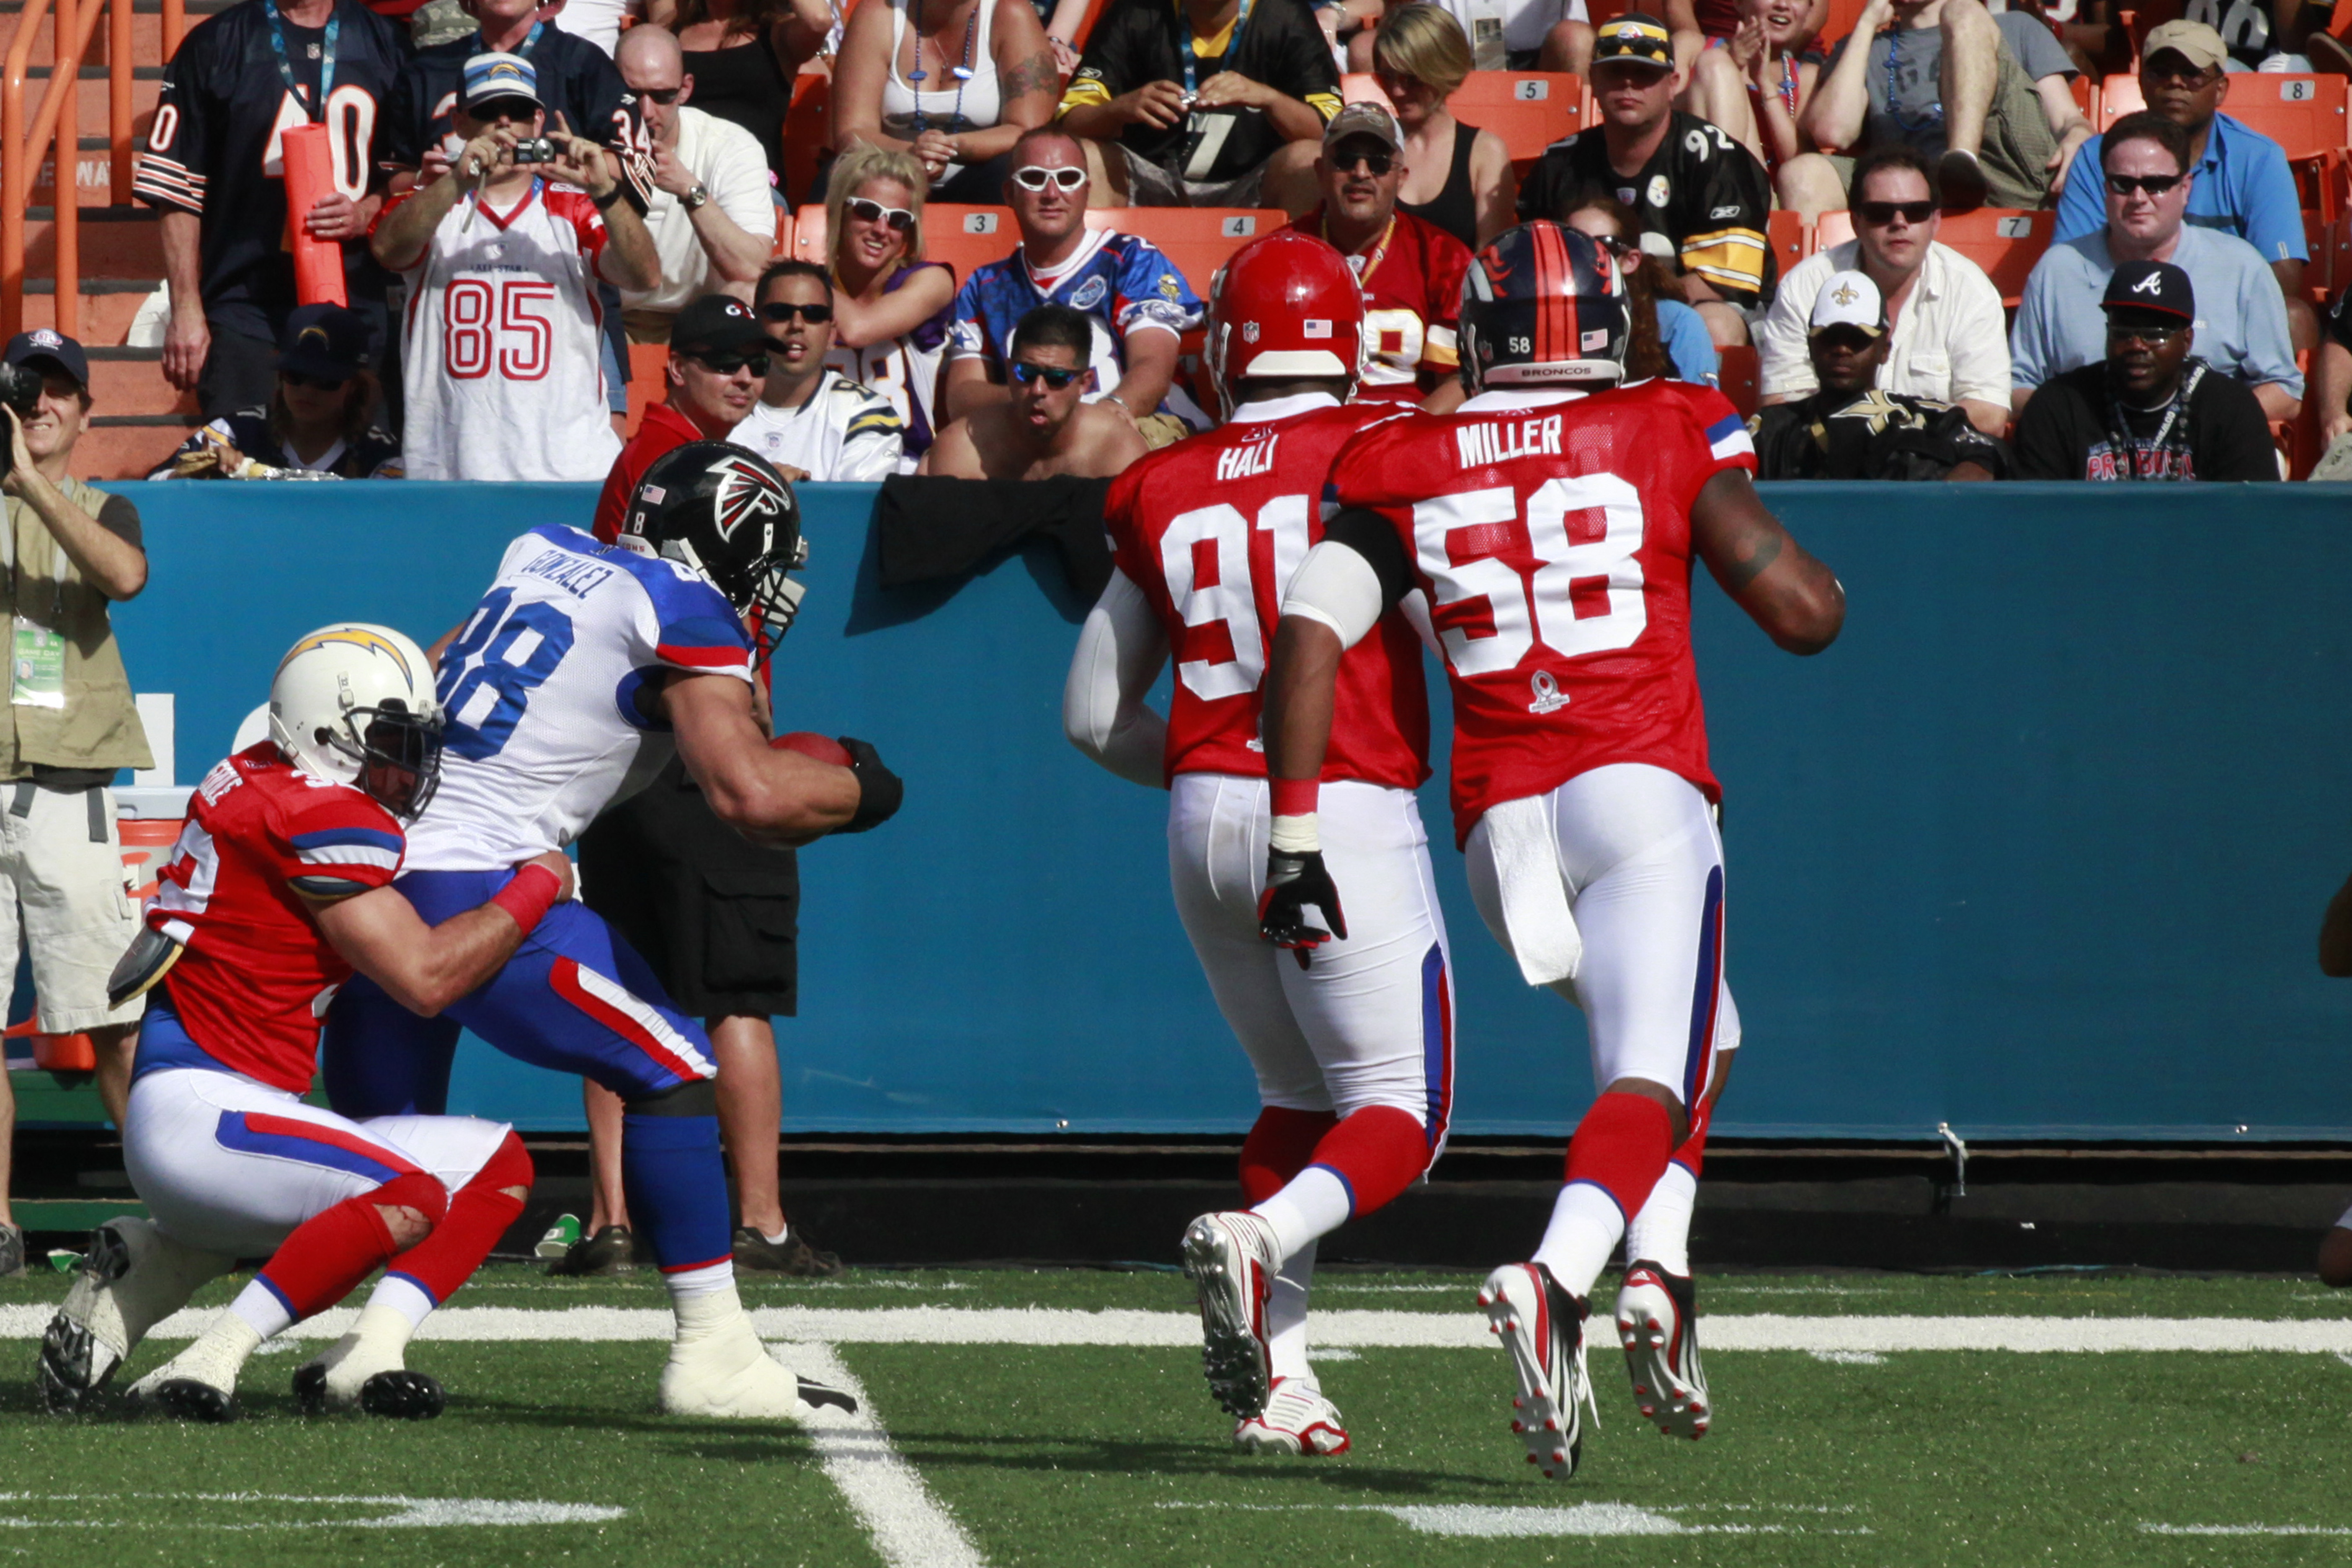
(890, 307)
(1457, 176)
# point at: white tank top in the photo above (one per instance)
(973, 104)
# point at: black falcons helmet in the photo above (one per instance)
(726, 513)
(1543, 305)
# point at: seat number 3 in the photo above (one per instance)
(1580, 592)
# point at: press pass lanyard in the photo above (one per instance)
(2128, 447)
(1185, 42)
(286, 65)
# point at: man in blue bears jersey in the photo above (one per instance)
(574, 681)
(1141, 303)
(213, 165)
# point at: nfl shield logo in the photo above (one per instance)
(1249, 332)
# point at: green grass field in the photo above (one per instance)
(1069, 1453)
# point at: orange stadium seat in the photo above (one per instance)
(1528, 109)
(808, 126)
(1738, 378)
(2303, 114)
(963, 237)
(2004, 242)
(1197, 240)
(1790, 238)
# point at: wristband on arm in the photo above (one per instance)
(1293, 827)
(533, 891)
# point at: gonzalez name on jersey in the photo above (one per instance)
(215, 148)
(263, 841)
(1214, 575)
(1554, 542)
(542, 689)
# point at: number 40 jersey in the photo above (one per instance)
(541, 688)
(1210, 529)
(1553, 538)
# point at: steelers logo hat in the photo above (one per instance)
(1634, 36)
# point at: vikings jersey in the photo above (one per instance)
(905, 369)
(1553, 538)
(545, 694)
(263, 843)
(1413, 302)
(1210, 529)
(214, 147)
(1123, 282)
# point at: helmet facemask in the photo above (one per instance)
(396, 754)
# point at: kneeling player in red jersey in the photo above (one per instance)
(1353, 1051)
(1552, 522)
(279, 889)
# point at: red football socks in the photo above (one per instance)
(333, 1250)
(1692, 1155)
(480, 1213)
(1621, 1146)
(1278, 1147)
(1377, 1151)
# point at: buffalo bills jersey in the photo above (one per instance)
(263, 842)
(545, 693)
(1123, 282)
(1210, 529)
(502, 342)
(215, 149)
(1412, 279)
(1553, 538)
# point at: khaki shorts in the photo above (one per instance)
(61, 863)
(2018, 142)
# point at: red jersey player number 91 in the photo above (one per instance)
(1205, 558)
(1564, 567)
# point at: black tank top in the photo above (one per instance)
(746, 85)
(1455, 208)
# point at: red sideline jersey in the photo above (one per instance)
(1211, 529)
(263, 843)
(1413, 300)
(1554, 542)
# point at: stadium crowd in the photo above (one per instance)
(527, 190)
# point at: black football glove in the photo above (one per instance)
(1293, 881)
(879, 790)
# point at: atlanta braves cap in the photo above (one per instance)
(2157, 286)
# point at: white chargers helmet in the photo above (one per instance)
(354, 704)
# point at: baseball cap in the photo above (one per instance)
(2157, 286)
(496, 75)
(1634, 36)
(45, 347)
(716, 324)
(1849, 300)
(1364, 120)
(2195, 42)
(327, 342)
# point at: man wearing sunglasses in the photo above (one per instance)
(717, 363)
(1047, 427)
(812, 421)
(2241, 331)
(1141, 303)
(712, 221)
(2150, 409)
(1949, 339)
(2241, 184)
(1410, 269)
(1850, 428)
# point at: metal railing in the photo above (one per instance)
(56, 135)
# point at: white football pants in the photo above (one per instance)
(1371, 1022)
(1642, 865)
(227, 1164)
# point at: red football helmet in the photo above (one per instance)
(1286, 305)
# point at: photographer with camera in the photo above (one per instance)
(503, 375)
(72, 552)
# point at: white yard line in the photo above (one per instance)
(910, 1527)
(1049, 1327)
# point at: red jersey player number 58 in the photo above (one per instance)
(1570, 573)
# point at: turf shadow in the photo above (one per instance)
(926, 1450)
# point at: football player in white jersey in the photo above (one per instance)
(566, 687)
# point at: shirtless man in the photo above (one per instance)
(1047, 426)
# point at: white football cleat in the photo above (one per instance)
(1657, 1321)
(719, 1368)
(1297, 1419)
(367, 1370)
(1543, 1328)
(1230, 1261)
(200, 1383)
(133, 1278)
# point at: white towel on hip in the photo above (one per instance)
(1525, 856)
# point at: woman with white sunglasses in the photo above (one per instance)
(890, 306)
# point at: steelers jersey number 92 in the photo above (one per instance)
(1565, 570)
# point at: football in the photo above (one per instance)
(809, 743)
